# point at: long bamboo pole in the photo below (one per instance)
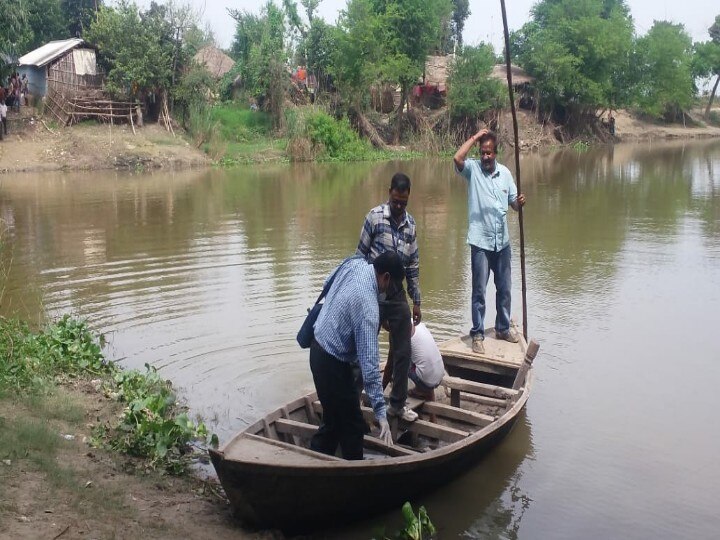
(517, 166)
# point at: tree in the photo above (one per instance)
(317, 48)
(310, 7)
(471, 90)
(135, 49)
(259, 46)
(664, 64)
(15, 31)
(357, 53)
(706, 61)
(577, 50)
(46, 22)
(410, 30)
(80, 14)
(461, 11)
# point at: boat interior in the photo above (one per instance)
(477, 391)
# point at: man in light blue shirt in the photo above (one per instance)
(346, 335)
(491, 189)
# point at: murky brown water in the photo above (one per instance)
(207, 276)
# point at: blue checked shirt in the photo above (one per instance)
(348, 324)
(488, 198)
(380, 234)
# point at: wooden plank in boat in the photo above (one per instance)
(306, 431)
(258, 449)
(436, 431)
(454, 413)
(481, 389)
(498, 352)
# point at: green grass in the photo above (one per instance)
(241, 125)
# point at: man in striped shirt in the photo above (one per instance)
(389, 228)
(346, 335)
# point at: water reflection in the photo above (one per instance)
(207, 276)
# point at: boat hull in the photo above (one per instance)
(298, 499)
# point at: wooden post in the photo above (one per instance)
(517, 166)
(530, 354)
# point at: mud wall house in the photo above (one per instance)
(64, 66)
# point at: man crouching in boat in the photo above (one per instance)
(346, 335)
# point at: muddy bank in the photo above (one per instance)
(34, 145)
(76, 491)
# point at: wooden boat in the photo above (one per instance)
(274, 480)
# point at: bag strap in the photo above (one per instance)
(329, 283)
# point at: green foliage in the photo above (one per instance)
(238, 124)
(143, 50)
(260, 52)
(357, 54)
(335, 140)
(417, 527)
(132, 49)
(664, 65)
(196, 89)
(579, 51)
(46, 21)
(410, 30)
(316, 49)
(79, 14)
(152, 425)
(31, 360)
(471, 89)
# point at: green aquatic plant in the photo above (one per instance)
(417, 527)
(152, 425)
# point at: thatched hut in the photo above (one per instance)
(216, 62)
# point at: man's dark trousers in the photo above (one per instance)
(342, 420)
(396, 311)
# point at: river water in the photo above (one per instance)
(207, 275)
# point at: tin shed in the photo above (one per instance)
(60, 65)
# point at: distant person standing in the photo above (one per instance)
(389, 227)
(611, 124)
(491, 189)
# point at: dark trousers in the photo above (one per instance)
(342, 420)
(396, 311)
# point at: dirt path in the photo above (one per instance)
(34, 145)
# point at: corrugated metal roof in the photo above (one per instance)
(48, 52)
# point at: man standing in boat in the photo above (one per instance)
(491, 188)
(389, 228)
(346, 335)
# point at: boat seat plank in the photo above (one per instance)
(436, 431)
(257, 449)
(455, 413)
(306, 431)
(482, 389)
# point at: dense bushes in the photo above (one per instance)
(317, 135)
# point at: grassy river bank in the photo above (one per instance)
(227, 135)
(90, 450)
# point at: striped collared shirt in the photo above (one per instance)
(348, 324)
(380, 233)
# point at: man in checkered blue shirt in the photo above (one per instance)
(389, 228)
(346, 335)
